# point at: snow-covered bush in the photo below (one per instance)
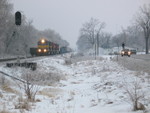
(68, 61)
(2, 80)
(29, 87)
(4, 111)
(135, 94)
(46, 78)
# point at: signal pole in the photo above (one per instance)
(18, 23)
(97, 44)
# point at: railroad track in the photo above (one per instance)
(11, 59)
(21, 58)
(26, 63)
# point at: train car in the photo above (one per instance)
(55, 48)
(64, 50)
(45, 47)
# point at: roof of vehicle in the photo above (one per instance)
(132, 50)
(125, 50)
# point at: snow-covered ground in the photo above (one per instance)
(84, 86)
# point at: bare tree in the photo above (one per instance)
(26, 36)
(9, 36)
(17, 40)
(143, 20)
(91, 28)
(30, 88)
(104, 39)
(5, 22)
(117, 40)
(83, 43)
(135, 94)
(91, 31)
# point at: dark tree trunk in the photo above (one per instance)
(147, 48)
(135, 107)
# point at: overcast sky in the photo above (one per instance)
(67, 16)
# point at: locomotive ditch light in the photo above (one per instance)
(45, 50)
(39, 50)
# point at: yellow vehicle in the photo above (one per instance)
(126, 52)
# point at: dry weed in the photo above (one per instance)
(22, 104)
(45, 93)
(1, 95)
(68, 61)
(75, 82)
(72, 93)
(4, 111)
(37, 100)
(49, 92)
(9, 89)
(47, 78)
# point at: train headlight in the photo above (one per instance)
(42, 41)
(39, 50)
(45, 50)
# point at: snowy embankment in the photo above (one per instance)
(89, 86)
(139, 63)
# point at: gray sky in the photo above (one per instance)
(67, 16)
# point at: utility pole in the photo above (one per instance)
(95, 47)
(97, 44)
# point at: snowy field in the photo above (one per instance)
(76, 85)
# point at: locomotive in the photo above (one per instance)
(45, 47)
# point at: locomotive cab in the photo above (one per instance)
(43, 47)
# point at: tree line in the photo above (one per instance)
(17, 40)
(134, 36)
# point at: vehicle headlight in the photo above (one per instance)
(122, 52)
(129, 52)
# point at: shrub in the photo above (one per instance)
(135, 94)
